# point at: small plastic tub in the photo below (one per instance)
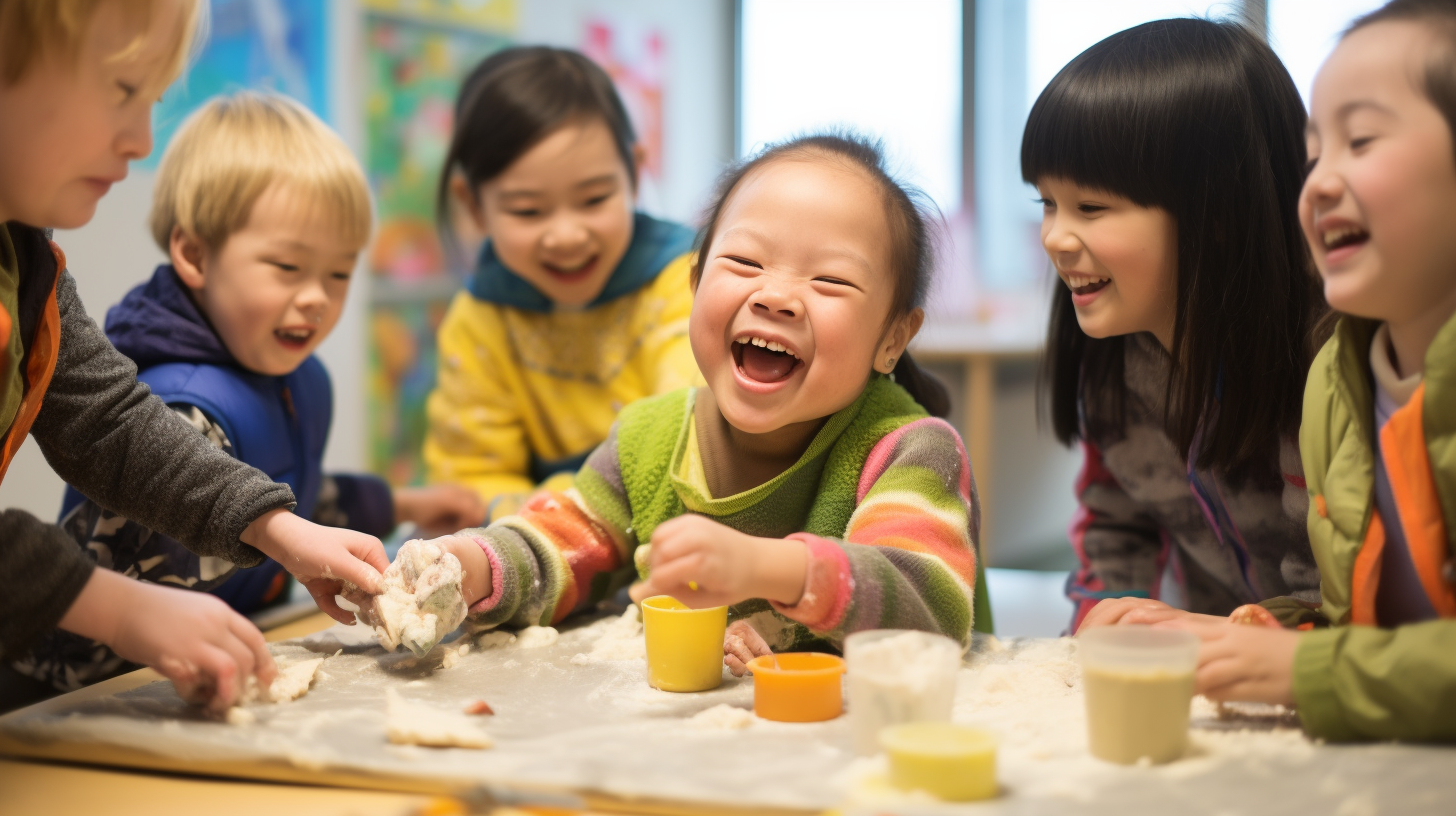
(1138, 682)
(684, 646)
(950, 762)
(898, 676)
(798, 686)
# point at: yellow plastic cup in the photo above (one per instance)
(951, 762)
(684, 646)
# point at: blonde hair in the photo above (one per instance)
(28, 28)
(234, 148)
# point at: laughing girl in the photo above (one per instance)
(805, 486)
(1169, 159)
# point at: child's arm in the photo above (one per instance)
(476, 436)
(907, 560)
(103, 433)
(1121, 550)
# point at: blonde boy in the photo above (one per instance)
(77, 82)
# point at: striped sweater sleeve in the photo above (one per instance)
(908, 557)
(563, 551)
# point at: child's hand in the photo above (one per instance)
(1130, 610)
(1252, 664)
(703, 564)
(438, 509)
(192, 638)
(741, 644)
(321, 558)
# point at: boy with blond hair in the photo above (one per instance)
(263, 211)
(78, 79)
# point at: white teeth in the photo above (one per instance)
(1078, 281)
(1338, 234)
(766, 344)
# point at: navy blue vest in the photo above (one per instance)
(278, 425)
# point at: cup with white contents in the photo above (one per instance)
(1138, 681)
(898, 676)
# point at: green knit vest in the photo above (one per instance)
(646, 455)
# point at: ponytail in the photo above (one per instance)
(926, 388)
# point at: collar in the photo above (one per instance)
(654, 244)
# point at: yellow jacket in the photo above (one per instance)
(525, 394)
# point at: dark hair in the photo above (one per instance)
(912, 245)
(1200, 119)
(1439, 80)
(515, 98)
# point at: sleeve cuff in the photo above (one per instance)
(497, 579)
(828, 586)
(1315, 693)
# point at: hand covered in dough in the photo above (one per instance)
(326, 560)
(421, 601)
(741, 644)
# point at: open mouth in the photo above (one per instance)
(1342, 237)
(1086, 284)
(573, 272)
(764, 361)
(294, 339)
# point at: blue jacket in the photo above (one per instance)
(276, 424)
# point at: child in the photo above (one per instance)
(578, 304)
(263, 211)
(78, 84)
(1169, 158)
(1379, 408)
(804, 486)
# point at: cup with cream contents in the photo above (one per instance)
(1138, 682)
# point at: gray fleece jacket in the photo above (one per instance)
(104, 432)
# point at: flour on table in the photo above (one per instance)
(536, 637)
(494, 639)
(620, 639)
(722, 717)
(412, 723)
(422, 600)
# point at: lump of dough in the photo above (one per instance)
(536, 637)
(291, 683)
(422, 600)
(411, 723)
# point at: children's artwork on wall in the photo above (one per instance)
(414, 68)
(491, 15)
(260, 44)
(634, 56)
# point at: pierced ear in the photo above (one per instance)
(468, 200)
(897, 339)
(188, 258)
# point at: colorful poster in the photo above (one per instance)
(491, 15)
(265, 44)
(414, 70)
(634, 57)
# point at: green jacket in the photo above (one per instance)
(1353, 680)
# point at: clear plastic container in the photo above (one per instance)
(1138, 681)
(898, 676)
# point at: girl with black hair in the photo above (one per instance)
(578, 303)
(806, 487)
(1169, 159)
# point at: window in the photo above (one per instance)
(1304, 32)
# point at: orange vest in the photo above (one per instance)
(40, 364)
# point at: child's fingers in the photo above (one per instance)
(222, 670)
(323, 592)
(1219, 673)
(735, 665)
(678, 574)
(365, 569)
(254, 642)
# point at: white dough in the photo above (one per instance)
(536, 637)
(411, 723)
(422, 600)
(494, 639)
(291, 683)
(722, 717)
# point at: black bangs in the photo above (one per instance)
(1200, 119)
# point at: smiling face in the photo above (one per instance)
(790, 315)
(560, 216)
(1119, 260)
(69, 126)
(276, 287)
(1376, 206)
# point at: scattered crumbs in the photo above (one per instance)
(537, 637)
(722, 717)
(495, 639)
(463, 650)
(336, 654)
(449, 659)
(240, 716)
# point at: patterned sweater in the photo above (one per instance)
(1144, 510)
(883, 498)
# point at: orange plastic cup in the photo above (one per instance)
(797, 687)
